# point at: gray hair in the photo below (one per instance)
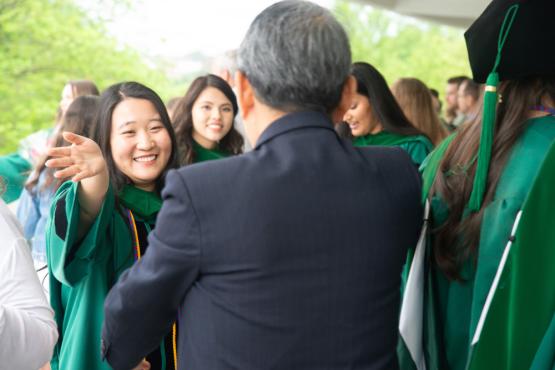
(296, 56)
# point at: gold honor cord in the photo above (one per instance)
(137, 251)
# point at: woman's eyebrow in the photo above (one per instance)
(125, 124)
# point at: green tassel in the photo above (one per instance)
(488, 118)
(486, 143)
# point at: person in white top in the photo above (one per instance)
(28, 332)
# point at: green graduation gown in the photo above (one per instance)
(202, 154)
(502, 317)
(14, 170)
(83, 271)
(418, 147)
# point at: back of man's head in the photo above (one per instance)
(296, 57)
(457, 80)
(471, 88)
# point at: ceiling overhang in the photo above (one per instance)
(457, 13)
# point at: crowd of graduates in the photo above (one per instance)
(87, 192)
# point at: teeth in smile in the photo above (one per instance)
(146, 159)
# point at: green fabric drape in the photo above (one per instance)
(14, 170)
(519, 328)
(202, 154)
(83, 271)
(418, 147)
(145, 204)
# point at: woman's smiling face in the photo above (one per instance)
(360, 117)
(139, 142)
(213, 116)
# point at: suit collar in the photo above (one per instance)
(294, 121)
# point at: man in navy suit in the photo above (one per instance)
(289, 256)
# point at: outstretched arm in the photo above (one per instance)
(82, 162)
(142, 306)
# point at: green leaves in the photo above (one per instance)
(403, 47)
(45, 43)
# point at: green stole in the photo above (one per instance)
(145, 205)
(417, 146)
(519, 327)
(384, 138)
(202, 154)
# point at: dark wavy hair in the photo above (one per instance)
(80, 118)
(109, 99)
(231, 143)
(372, 84)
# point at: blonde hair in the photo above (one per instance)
(415, 100)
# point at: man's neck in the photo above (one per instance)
(263, 117)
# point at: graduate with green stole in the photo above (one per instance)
(204, 121)
(375, 117)
(481, 291)
(101, 219)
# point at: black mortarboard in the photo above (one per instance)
(495, 24)
(528, 50)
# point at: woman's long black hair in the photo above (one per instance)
(372, 84)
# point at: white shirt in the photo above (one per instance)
(28, 332)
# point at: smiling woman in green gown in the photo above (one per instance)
(375, 117)
(204, 121)
(100, 221)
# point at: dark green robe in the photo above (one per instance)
(14, 170)
(518, 329)
(202, 154)
(418, 147)
(83, 271)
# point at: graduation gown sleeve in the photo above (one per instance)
(70, 259)
(81, 274)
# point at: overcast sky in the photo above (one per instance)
(174, 28)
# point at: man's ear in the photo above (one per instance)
(245, 94)
(347, 96)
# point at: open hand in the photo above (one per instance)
(83, 159)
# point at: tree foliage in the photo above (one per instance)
(45, 43)
(403, 47)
